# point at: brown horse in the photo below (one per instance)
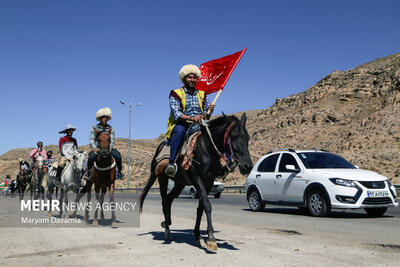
(103, 177)
(22, 182)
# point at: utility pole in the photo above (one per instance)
(129, 138)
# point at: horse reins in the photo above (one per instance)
(227, 140)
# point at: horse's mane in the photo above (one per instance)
(222, 120)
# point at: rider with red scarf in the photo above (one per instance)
(68, 148)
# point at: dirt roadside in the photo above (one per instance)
(144, 246)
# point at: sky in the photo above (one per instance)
(61, 61)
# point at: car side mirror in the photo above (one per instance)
(291, 168)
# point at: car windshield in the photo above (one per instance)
(323, 160)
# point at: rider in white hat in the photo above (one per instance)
(186, 104)
(68, 148)
(103, 116)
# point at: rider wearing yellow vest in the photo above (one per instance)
(186, 104)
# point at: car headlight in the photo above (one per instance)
(342, 182)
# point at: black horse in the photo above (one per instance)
(230, 136)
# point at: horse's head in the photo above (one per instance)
(237, 141)
(104, 143)
(40, 161)
(79, 161)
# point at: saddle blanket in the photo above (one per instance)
(186, 152)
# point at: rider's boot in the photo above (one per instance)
(171, 169)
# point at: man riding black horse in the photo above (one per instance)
(225, 135)
(186, 104)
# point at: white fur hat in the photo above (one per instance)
(188, 69)
(103, 112)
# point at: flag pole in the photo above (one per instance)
(229, 75)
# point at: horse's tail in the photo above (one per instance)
(152, 177)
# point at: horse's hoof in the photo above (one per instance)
(167, 236)
(86, 218)
(114, 225)
(212, 245)
(163, 225)
(95, 222)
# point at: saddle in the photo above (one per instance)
(186, 152)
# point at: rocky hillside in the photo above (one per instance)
(353, 113)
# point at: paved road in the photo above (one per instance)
(346, 224)
(233, 210)
(279, 236)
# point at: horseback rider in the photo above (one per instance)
(24, 165)
(39, 151)
(103, 116)
(186, 104)
(50, 158)
(68, 148)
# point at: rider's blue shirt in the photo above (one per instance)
(192, 107)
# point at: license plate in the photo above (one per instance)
(377, 193)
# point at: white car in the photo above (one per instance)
(216, 189)
(317, 181)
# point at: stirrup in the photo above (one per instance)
(171, 170)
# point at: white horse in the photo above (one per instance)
(71, 179)
(37, 177)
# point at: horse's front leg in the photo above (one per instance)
(112, 205)
(102, 194)
(66, 204)
(61, 202)
(200, 210)
(89, 197)
(202, 192)
(97, 194)
(49, 196)
(78, 197)
(31, 196)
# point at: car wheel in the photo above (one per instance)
(376, 212)
(217, 195)
(317, 204)
(255, 201)
(193, 193)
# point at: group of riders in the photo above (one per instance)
(68, 146)
(187, 105)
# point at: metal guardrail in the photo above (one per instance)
(233, 189)
(229, 188)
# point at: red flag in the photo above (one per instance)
(215, 73)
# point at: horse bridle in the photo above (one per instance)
(227, 141)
